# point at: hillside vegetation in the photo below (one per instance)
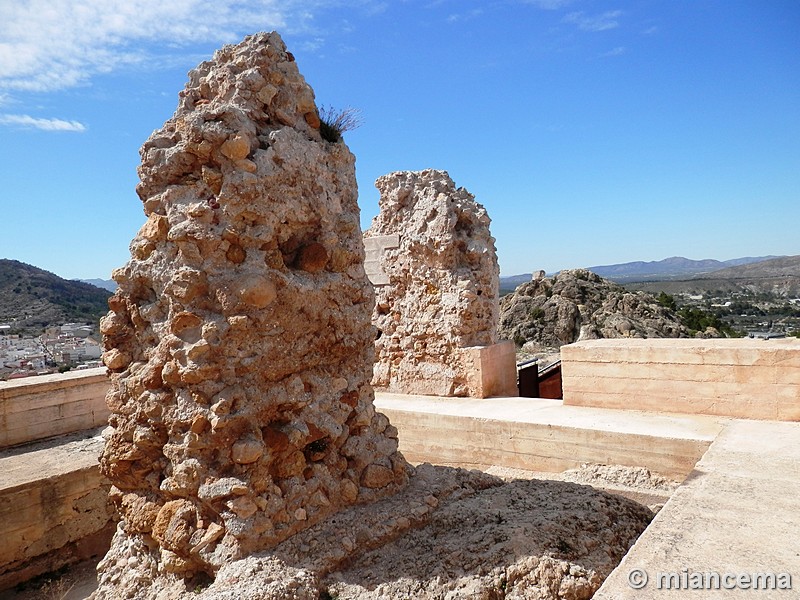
(32, 298)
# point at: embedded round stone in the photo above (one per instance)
(257, 291)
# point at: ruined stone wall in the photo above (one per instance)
(239, 341)
(439, 286)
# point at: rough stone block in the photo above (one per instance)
(437, 286)
(239, 340)
(493, 370)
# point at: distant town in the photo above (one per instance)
(60, 348)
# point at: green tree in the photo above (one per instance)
(667, 301)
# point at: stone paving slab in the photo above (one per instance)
(554, 412)
(737, 515)
(545, 435)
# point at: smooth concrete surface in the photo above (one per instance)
(374, 248)
(54, 507)
(494, 370)
(544, 435)
(40, 407)
(739, 378)
(737, 514)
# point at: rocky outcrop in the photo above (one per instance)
(440, 295)
(580, 305)
(239, 341)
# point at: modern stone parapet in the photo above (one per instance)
(741, 378)
(40, 407)
(54, 507)
(730, 531)
(535, 434)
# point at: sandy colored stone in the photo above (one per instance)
(441, 284)
(247, 451)
(450, 534)
(256, 291)
(156, 227)
(231, 341)
(236, 147)
(116, 360)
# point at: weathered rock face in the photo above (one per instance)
(442, 276)
(239, 341)
(580, 305)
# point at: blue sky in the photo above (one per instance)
(595, 132)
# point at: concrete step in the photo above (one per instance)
(545, 435)
(54, 506)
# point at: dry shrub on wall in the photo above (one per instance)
(334, 122)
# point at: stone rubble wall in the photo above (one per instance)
(239, 341)
(438, 284)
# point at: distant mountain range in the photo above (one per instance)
(106, 284)
(675, 267)
(32, 298)
(783, 266)
(777, 276)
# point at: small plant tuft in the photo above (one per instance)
(334, 122)
(564, 547)
(537, 313)
(57, 589)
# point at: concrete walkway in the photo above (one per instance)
(544, 435)
(733, 523)
(738, 513)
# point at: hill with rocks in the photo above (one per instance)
(32, 298)
(574, 305)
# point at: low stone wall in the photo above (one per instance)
(543, 435)
(49, 405)
(741, 378)
(54, 507)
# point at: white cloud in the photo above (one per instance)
(602, 22)
(548, 4)
(48, 45)
(456, 17)
(618, 51)
(44, 124)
